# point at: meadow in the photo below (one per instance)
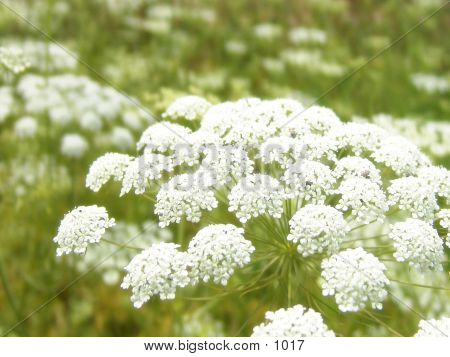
(79, 79)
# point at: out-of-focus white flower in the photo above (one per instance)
(110, 165)
(364, 199)
(13, 59)
(158, 270)
(255, 195)
(26, 127)
(296, 321)
(235, 47)
(74, 146)
(217, 250)
(267, 31)
(122, 138)
(430, 83)
(190, 107)
(415, 195)
(185, 195)
(80, 227)
(91, 121)
(317, 228)
(418, 244)
(6, 102)
(356, 278)
(301, 35)
(434, 328)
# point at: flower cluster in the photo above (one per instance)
(189, 107)
(214, 253)
(434, 328)
(317, 228)
(217, 250)
(356, 278)
(296, 321)
(80, 227)
(417, 243)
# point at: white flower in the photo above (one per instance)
(190, 107)
(434, 328)
(280, 149)
(353, 166)
(363, 198)
(402, 156)
(301, 35)
(295, 321)
(255, 195)
(144, 169)
(26, 127)
(317, 228)
(74, 146)
(217, 250)
(413, 194)
(356, 278)
(444, 220)
(158, 270)
(310, 180)
(430, 83)
(91, 121)
(418, 244)
(163, 136)
(122, 138)
(185, 195)
(358, 138)
(110, 165)
(226, 163)
(13, 59)
(439, 178)
(320, 120)
(81, 226)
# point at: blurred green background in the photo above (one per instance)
(156, 51)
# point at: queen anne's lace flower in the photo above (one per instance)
(279, 149)
(217, 250)
(439, 178)
(310, 180)
(74, 146)
(185, 195)
(295, 321)
(25, 127)
(190, 107)
(158, 270)
(81, 226)
(353, 166)
(418, 244)
(109, 165)
(402, 156)
(358, 138)
(317, 228)
(415, 195)
(444, 220)
(144, 169)
(364, 199)
(226, 163)
(319, 119)
(255, 195)
(355, 278)
(163, 136)
(434, 328)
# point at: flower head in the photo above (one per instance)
(295, 321)
(356, 278)
(80, 227)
